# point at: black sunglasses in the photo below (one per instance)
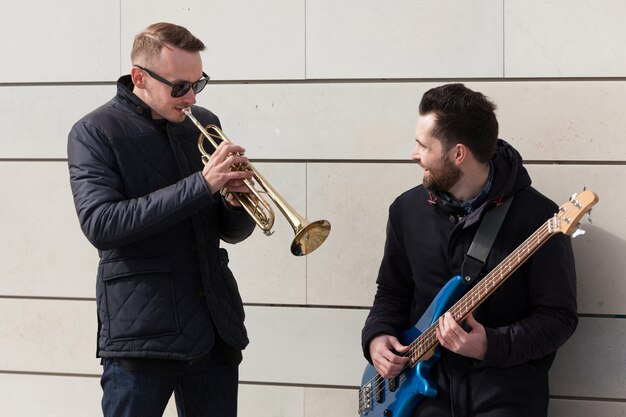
(181, 88)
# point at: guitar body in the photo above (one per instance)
(399, 396)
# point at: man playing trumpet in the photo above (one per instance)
(170, 318)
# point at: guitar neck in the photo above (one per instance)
(427, 341)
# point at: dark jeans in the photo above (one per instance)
(202, 389)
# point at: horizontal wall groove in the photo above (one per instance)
(318, 306)
(601, 316)
(241, 382)
(598, 399)
(296, 385)
(60, 84)
(46, 298)
(51, 374)
(274, 305)
(33, 159)
(270, 305)
(360, 161)
(293, 385)
(573, 162)
(337, 81)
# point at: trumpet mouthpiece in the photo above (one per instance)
(187, 111)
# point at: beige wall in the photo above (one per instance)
(323, 94)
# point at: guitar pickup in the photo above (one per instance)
(393, 384)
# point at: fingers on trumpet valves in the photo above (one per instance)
(240, 163)
(239, 184)
(230, 149)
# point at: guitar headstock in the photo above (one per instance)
(570, 213)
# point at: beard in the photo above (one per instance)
(442, 177)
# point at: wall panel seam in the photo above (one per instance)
(595, 399)
(298, 385)
(617, 316)
(360, 161)
(339, 81)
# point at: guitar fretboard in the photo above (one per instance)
(427, 341)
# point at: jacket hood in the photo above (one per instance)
(510, 174)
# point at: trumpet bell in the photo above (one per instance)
(310, 237)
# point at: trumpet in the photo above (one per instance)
(308, 235)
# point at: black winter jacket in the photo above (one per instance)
(526, 320)
(163, 282)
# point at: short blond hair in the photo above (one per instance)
(149, 43)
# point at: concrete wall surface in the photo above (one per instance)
(323, 94)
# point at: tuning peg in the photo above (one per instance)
(578, 232)
(589, 216)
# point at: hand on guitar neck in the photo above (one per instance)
(386, 350)
(452, 336)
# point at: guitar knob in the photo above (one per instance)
(388, 413)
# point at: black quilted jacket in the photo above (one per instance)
(163, 283)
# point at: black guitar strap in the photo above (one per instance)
(481, 245)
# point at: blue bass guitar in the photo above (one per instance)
(398, 397)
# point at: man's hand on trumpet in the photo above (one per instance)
(217, 172)
(237, 186)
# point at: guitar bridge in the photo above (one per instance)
(365, 398)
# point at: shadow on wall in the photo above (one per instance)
(592, 364)
(600, 256)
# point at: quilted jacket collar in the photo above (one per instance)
(125, 95)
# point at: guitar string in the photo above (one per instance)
(429, 337)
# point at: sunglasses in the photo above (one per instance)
(179, 89)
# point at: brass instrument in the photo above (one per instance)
(309, 235)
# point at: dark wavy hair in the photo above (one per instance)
(462, 116)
